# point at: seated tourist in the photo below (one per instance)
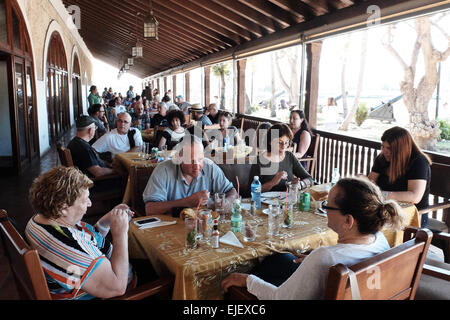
(183, 105)
(227, 131)
(139, 119)
(121, 139)
(276, 166)
(402, 170)
(213, 113)
(118, 107)
(259, 143)
(160, 119)
(170, 105)
(357, 212)
(301, 131)
(186, 181)
(197, 115)
(83, 155)
(97, 111)
(79, 262)
(175, 132)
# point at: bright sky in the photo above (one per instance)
(105, 75)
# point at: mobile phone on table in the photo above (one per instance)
(147, 221)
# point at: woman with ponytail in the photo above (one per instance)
(402, 170)
(357, 212)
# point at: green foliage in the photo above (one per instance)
(445, 129)
(362, 113)
(221, 68)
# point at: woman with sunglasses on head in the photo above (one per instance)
(276, 166)
(402, 170)
(356, 212)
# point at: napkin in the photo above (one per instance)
(157, 224)
(230, 238)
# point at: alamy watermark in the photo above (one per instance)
(75, 14)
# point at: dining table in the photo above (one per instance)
(199, 272)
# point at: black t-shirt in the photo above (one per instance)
(418, 169)
(214, 120)
(159, 120)
(267, 171)
(84, 156)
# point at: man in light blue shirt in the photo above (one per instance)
(185, 181)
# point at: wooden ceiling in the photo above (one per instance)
(188, 29)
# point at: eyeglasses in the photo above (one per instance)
(284, 143)
(326, 207)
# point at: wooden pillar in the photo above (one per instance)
(174, 87)
(165, 84)
(153, 85)
(207, 77)
(313, 51)
(187, 87)
(241, 64)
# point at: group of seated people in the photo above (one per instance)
(357, 207)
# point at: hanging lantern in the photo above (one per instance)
(130, 61)
(151, 26)
(126, 67)
(137, 51)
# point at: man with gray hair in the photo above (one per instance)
(121, 139)
(186, 181)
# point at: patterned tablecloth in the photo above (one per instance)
(199, 272)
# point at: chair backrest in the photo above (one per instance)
(24, 262)
(139, 177)
(64, 155)
(391, 275)
(439, 185)
(242, 171)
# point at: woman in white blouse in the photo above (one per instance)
(356, 212)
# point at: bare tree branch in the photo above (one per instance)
(390, 48)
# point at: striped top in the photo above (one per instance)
(69, 256)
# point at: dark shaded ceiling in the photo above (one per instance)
(188, 29)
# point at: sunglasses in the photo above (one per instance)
(326, 207)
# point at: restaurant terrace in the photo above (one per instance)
(219, 139)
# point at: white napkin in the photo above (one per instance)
(230, 238)
(157, 224)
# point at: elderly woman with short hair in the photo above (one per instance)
(78, 261)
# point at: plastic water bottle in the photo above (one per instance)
(236, 218)
(335, 177)
(225, 144)
(256, 191)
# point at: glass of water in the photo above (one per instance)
(274, 221)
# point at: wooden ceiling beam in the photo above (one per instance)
(302, 10)
(284, 18)
(161, 7)
(231, 17)
(214, 18)
(249, 14)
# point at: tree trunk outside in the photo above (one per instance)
(222, 89)
(362, 68)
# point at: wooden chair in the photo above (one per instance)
(139, 177)
(102, 201)
(311, 155)
(440, 187)
(29, 275)
(398, 271)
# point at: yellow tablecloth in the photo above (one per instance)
(128, 160)
(199, 272)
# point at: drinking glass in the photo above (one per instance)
(164, 152)
(250, 228)
(205, 225)
(274, 220)
(219, 205)
(147, 149)
(288, 216)
(190, 233)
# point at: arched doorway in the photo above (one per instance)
(18, 124)
(57, 89)
(76, 88)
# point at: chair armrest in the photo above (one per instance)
(436, 272)
(239, 293)
(148, 289)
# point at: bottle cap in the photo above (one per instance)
(256, 178)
